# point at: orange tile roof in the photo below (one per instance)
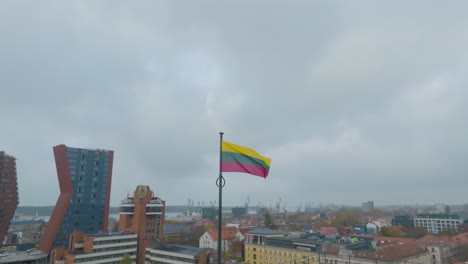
(434, 240)
(226, 233)
(391, 253)
(460, 238)
(328, 230)
(386, 241)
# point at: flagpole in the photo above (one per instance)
(220, 183)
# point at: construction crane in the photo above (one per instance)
(247, 204)
(189, 209)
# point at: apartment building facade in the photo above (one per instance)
(9, 199)
(85, 177)
(98, 248)
(435, 223)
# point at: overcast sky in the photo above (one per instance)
(352, 100)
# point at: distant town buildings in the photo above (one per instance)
(27, 231)
(265, 246)
(77, 229)
(209, 213)
(8, 192)
(85, 177)
(368, 207)
(403, 220)
(238, 211)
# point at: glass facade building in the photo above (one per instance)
(85, 177)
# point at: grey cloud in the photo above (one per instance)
(341, 95)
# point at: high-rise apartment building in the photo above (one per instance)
(8, 192)
(143, 214)
(368, 207)
(85, 177)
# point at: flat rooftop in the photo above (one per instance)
(17, 256)
(112, 234)
(186, 250)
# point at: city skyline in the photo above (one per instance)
(351, 101)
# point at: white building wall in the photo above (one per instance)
(435, 225)
(206, 241)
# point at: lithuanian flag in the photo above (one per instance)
(235, 158)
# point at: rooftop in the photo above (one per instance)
(17, 256)
(84, 150)
(186, 250)
(438, 216)
(227, 233)
(433, 240)
(108, 234)
(328, 230)
(320, 243)
(176, 229)
(392, 253)
(27, 222)
(264, 231)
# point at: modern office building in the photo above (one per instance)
(85, 177)
(8, 192)
(435, 223)
(98, 248)
(143, 213)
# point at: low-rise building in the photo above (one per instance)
(97, 248)
(176, 254)
(435, 223)
(269, 247)
(439, 247)
(210, 239)
(181, 234)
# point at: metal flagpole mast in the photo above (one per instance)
(220, 182)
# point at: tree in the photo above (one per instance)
(126, 260)
(346, 217)
(115, 226)
(268, 222)
(295, 228)
(235, 249)
(390, 231)
(416, 232)
(447, 232)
